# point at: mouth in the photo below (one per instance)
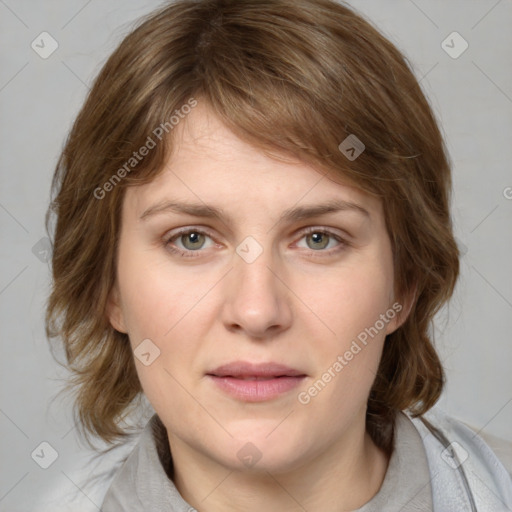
(250, 377)
(250, 382)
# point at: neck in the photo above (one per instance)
(343, 477)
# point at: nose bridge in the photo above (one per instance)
(253, 268)
(257, 301)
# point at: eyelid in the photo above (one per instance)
(189, 229)
(334, 232)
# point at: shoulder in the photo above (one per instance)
(496, 447)
(502, 448)
(462, 463)
(143, 482)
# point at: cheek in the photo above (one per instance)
(351, 300)
(350, 305)
(156, 296)
(163, 305)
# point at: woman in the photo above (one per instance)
(253, 230)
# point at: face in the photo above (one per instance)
(297, 306)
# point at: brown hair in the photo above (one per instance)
(289, 76)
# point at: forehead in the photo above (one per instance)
(209, 164)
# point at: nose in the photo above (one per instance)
(257, 300)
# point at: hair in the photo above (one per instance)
(291, 77)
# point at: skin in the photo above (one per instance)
(300, 303)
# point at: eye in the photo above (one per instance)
(192, 240)
(318, 239)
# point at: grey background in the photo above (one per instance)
(39, 98)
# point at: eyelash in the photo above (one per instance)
(308, 231)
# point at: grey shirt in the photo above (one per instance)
(142, 483)
(406, 486)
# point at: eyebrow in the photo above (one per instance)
(292, 214)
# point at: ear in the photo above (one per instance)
(402, 308)
(114, 310)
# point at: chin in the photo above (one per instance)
(260, 452)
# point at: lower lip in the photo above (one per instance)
(256, 390)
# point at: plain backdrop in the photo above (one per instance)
(471, 94)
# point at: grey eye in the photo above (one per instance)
(192, 240)
(320, 240)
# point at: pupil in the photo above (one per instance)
(192, 238)
(317, 239)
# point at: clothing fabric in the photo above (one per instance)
(406, 486)
(466, 470)
(444, 468)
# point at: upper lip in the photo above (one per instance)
(246, 369)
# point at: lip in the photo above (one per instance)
(251, 382)
(240, 369)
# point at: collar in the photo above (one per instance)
(144, 482)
